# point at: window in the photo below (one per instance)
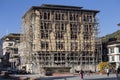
(73, 35)
(44, 35)
(75, 27)
(60, 15)
(119, 57)
(10, 44)
(59, 45)
(45, 29)
(41, 26)
(71, 17)
(45, 26)
(87, 17)
(60, 27)
(41, 15)
(86, 28)
(74, 16)
(15, 50)
(111, 50)
(33, 46)
(86, 37)
(87, 46)
(119, 49)
(46, 15)
(63, 16)
(74, 30)
(59, 35)
(57, 16)
(44, 45)
(112, 58)
(74, 45)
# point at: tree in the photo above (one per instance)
(102, 66)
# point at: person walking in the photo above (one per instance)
(108, 71)
(118, 71)
(81, 73)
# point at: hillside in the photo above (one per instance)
(112, 37)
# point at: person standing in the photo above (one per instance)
(118, 71)
(81, 73)
(108, 71)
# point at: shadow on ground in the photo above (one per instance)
(59, 78)
(9, 78)
(113, 78)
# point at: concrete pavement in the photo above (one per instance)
(86, 77)
(77, 77)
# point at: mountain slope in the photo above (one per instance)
(112, 37)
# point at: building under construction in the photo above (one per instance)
(59, 38)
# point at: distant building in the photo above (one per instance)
(114, 53)
(1, 49)
(59, 38)
(10, 50)
(1, 55)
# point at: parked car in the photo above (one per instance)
(12, 71)
(49, 73)
(21, 72)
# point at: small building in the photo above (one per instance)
(114, 53)
(10, 50)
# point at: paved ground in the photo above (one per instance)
(86, 77)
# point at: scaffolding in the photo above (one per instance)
(59, 38)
